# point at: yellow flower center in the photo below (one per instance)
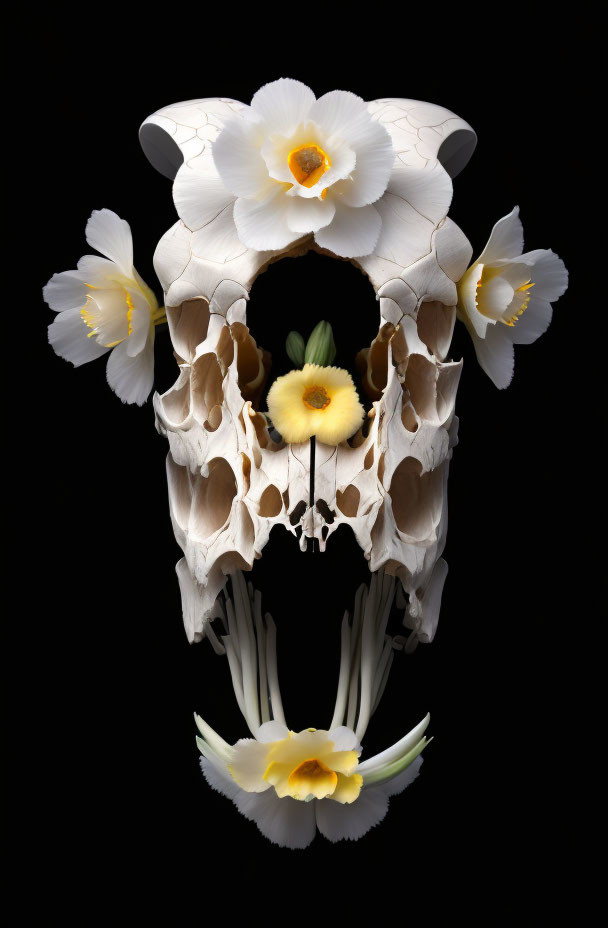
(308, 163)
(312, 776)
(316, 397)
(519, 310)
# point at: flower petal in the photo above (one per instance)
(238, 159)
(534, 321)
(65, 291)
(199, 195)
(111, 236)
(506, 239)
(131, 378)
(249, 764)
(348, 788)
(403, 780)
(283, 104)
(140, 323)
(219, 779)
(341, 113)
(262, 225)
(286, 822)
(339, 822)
(548, 273)
(272, 731)
(304, 215)
(495, 354)
(68, 336)
(344, 739)
(352, 233)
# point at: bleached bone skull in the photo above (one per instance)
(230, 482)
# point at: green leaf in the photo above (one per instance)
(321, 348)
(294, 345)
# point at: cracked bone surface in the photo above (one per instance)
(229, 482)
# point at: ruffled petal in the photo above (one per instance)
(533, 323)
(111, 236)
(340, 113)
(199, 195)
(286, 822)
(282, 104)
(352, 233)
(68, 336)
(374, 165)
(238, 159)
(249, 764)
(339, 822)
(403, 780)
(348, 788)
(219, 779)
(132, 378)
(506, 239)
(65, 291)
(262, 225)
(305, 216)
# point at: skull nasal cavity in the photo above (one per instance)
(213, 497)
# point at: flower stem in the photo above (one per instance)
(311, 496)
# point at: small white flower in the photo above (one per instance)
(104, 306)
(505, 297)
(296, 165)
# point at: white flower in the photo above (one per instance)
(505, 297)
(295, 165)
(291, 784)
(103, 306)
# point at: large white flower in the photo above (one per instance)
(291, 784)
(104, 306)
(295, 165)
(505, 297)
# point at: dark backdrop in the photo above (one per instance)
(116, 817)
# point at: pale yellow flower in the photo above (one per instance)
(303, 765)
(320, 401)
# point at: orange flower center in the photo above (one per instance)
(316, 397)
(308, 163)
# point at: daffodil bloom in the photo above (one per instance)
(104, 306)
(295, 165)
(292, 784)
(505, 297)
(320, 401)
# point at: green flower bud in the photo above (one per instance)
(321, 349)
(294, 345)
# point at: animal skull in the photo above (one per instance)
(230, 481)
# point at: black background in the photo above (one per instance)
(116, 818)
